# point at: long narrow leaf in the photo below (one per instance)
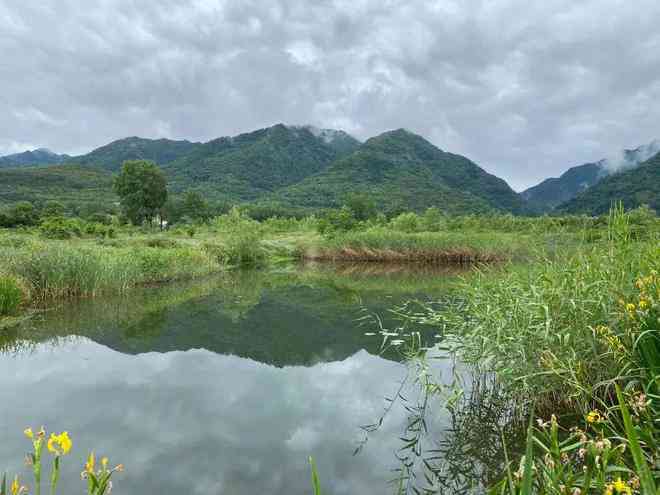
(645, 476)
(315, 478)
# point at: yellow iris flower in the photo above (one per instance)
(15, 486)
(594, 417)
(59, 444)
(89, 465)
(621, 487)
(28, 433)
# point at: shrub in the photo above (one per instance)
(341, 220)
(432, 220)
(60, 228)
(407, 222)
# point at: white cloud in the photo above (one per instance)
(526, 90)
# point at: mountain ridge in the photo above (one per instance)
(553, 192)
(633, 186)
(39, 156)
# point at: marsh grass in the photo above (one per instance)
(12, 294)
(59, 270)
(386, 245)
(564, 336)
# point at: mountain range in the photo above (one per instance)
(554, 192)
(41, 156)
(310, 168)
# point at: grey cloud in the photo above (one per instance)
(525, 89)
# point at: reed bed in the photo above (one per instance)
(383, 245)
(12, 294)
(574, 343)
(60, 270)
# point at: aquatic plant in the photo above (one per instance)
(98, 477)
(12, 294)
(563, 337)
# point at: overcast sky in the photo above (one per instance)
(524, 88)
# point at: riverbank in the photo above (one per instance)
(573, 344)
(45, 264)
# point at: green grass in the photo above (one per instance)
(11, 295)
(383, 244)
(560, 336)
(59, 269)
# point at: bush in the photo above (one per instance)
(11, 294)
(60, 228)
(341, 220)
(407, 222)
(432, 220)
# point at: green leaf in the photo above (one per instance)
(645, 476)
(315, 478)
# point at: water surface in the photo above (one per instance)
(224, 385)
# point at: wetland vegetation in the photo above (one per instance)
(562, 330)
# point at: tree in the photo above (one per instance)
(142, 189)
(362, 205)
(52, 209)
(195, 206)
(24, 213)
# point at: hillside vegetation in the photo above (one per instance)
(248, 166)
(42, 156)
(67, 183)
(634, 187)
(554, 191)
(401, 170)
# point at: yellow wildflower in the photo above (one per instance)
(14, 486)
(643, 304)
(630, 307)
(104, 463)
(609, 490)
(594, 417)
(622, 487)
(59, 444)
(28, 433)
(89, 465)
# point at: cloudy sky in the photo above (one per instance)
(526, 89)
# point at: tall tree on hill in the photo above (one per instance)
(142, 189)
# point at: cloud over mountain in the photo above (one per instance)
(524, 89)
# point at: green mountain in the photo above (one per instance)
(403, 170)
(67, 183)
(296, 166)
(633, 186)
(41, 156)
(555, 191)
(248, 166)
(111, 156)
(551, 193)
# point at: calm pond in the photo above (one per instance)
(224, 385)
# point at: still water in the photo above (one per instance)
(221, 386)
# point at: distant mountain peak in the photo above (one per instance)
(39, 156)
(553, 192)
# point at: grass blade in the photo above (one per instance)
(645, 476)
(315, 477)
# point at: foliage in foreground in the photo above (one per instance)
(11, 294)
(98, 477)
(577, 337)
